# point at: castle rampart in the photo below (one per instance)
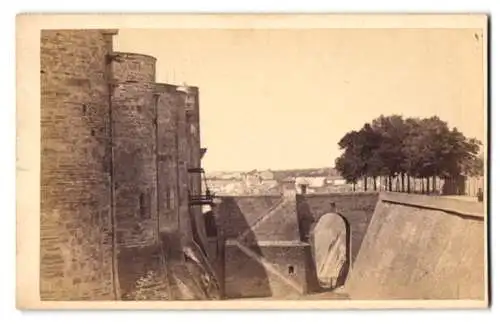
(116, 148)
(77, 237)
(134, 154)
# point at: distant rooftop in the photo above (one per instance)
(282, 175)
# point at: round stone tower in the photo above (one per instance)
(133, 67)
(76, 221)
(133, 105)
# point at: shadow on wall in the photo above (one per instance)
(237, 215)
(239, 272)
(196, 234)
(215, 246)
(141, 274)
(306, 222)
(422, 247)
(306, 218)
(210, 225)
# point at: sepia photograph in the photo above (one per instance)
(324, 160)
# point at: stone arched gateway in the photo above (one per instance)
(331, 247)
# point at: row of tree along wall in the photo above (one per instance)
(394, 148)
(116, 148)
(459, 185)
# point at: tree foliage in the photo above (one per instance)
(418, 147)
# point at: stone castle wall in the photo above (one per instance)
(282, 271)
(357, 208)
(134, 158)
(185, 220)
(263, 255)
(277, 228)
(133, 67)
(236, 214)
(193, 160)
(169, 104)
(76, 252)
(422, 248)
(116, 147)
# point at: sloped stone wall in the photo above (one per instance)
(420, 247)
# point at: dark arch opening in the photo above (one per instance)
(344, 272)
(210, 224)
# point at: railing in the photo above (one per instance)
(199, 200)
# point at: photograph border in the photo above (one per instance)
(28, 28)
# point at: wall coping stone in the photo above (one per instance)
(334, 194)
(132, 55)
(250, 196)
(452, 206)
(268, 243)
(109, 31)
(166, 87)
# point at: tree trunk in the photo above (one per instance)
(390, 183)
(354, 186)
(365, 179)
(428, 179)
(434, 184)
(422, 188)
(385, 183)
(402, 182)
(408, 189)
(375, 183)
(397, 183)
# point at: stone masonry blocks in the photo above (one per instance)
(192, 111)
(134, 151)
(133, 67)
(116, 148)
(76, 234)
(169, 104)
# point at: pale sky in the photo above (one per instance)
(282, 99)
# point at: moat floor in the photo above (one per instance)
(327, 295)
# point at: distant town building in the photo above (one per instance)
(266, 175)
(323, 180)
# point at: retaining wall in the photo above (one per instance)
(420, 247)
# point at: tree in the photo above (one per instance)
(372, 140)
(475, 167)
(389, 157)
(461, 156)
(413, 147)
(346, 166)
(357, 160)
(433, 142)
(349, 164)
